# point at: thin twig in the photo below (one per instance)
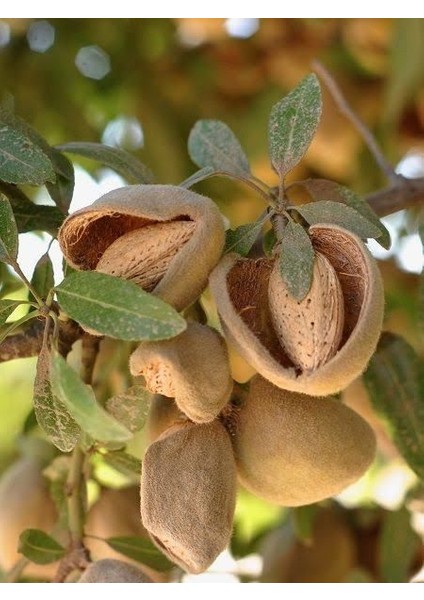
(16, 571)
(359, 125)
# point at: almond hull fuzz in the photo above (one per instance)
(165, 238)
(293, 449)
(240, 288)
(192, 367)
(110, 570)
(188, 490)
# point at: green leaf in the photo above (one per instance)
(124, 463)
(10, 327)
(39, 547)
(268, 242)
(323, 189)
(7, 307)
(296, 260)
(406, 73)
(117, 159)
(80, 401)
(9, 283)
(293, 123)
(131, 407)
(211, 143)
(30, 216)
(141, 550)
(198, 176)
(117, 308)
(51, 413)
(21, 160)
(8, 232)
(398, 547)
(242, 239)
(43, 279)
(338, 214)
(61, 191)
(394, 379)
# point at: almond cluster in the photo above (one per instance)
(285, 438)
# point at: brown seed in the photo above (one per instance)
(188, 489)
(310, 330)
(294, 449)
(144, 255)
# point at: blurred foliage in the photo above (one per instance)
(140, 84)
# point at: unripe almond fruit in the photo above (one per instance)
(293, 449)
(328, 557)
(192, 367)
(188, 489)
(165, 238)
(110, 570)
(310, 330)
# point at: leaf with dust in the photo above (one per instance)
(293, 123)
(211, 143)
(296, 260)
(51, 413)
(131, 407)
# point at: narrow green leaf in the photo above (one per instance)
(296, 260)
(293, 123)
(10, 327)
(398, 547)
(406, 75)
(30, 216)
(21, 160)
(80, 401)
(8, 232)
(211, 143)
(323, 189)
(117, 308)
(7, 307)
(141, 550)
(43, 279)
(242, 239)
(39, 547)
(131, 407)
(124, 463)
(394, 379)
(51, 413)
(338, 214)
(9, 282)
(198, 176)
(61, 191)
(117, 159)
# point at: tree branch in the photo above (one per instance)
(359, 125)
(28, 341)
(406, 193)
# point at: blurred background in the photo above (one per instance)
(140, 84)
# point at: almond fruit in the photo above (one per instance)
(188, 490)
(293, 449)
